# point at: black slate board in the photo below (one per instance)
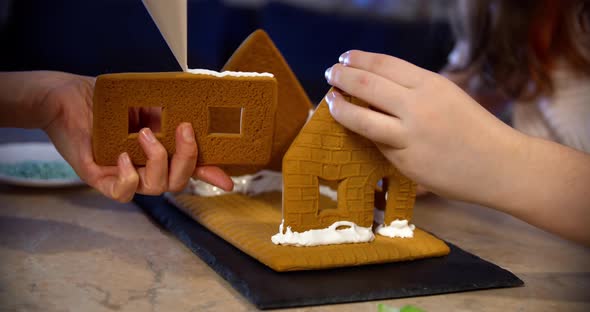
(267, 289)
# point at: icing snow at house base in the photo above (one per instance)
(250, 184)
(328, 236)
(397, 228)
(333, 235)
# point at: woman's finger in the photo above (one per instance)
(151, 117)
(124, 187)
(373, 125)
(120, 187)
(184, 159)
(153, 178)
(389, 67)
(215, 176)
(381, 93)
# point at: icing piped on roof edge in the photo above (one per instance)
(228, 73)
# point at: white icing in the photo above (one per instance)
(252, 184)
(228, 73)
(328, 236)
(397, 228)
(261, 182)
(328, 192)
(204, 189)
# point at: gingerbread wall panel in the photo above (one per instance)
(185, 97)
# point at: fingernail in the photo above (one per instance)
(344, 58)
(114, 191)
(328, 74)
(124, 158)
(148, 135)
(330, 99)
(187, 133)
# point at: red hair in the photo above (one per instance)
(514, 45)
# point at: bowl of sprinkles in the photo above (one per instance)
(35, 164)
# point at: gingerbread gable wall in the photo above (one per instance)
(324, 149)
(258, 53)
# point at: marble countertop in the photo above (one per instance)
(74, 250)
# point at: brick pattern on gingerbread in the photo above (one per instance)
(325, 150)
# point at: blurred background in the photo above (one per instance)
(93, 37)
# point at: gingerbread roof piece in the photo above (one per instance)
(233, 117)
(259, 54)
(326, 151)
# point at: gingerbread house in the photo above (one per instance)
(316, 153)
(325, 152)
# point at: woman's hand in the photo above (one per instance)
(70, 128)
(424, 124)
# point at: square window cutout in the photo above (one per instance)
(225, 120)
(144, 117)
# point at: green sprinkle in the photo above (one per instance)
(49, 170)
(385, 308)
(410, 308)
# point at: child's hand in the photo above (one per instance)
(423, 123)
(71, 128)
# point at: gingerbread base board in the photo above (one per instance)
(267, 289)
(248, 222)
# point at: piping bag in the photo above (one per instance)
(171, 18)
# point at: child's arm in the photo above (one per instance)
(440, 137)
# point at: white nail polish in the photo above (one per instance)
(328, 74)
(343, 59)
(330, 99)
